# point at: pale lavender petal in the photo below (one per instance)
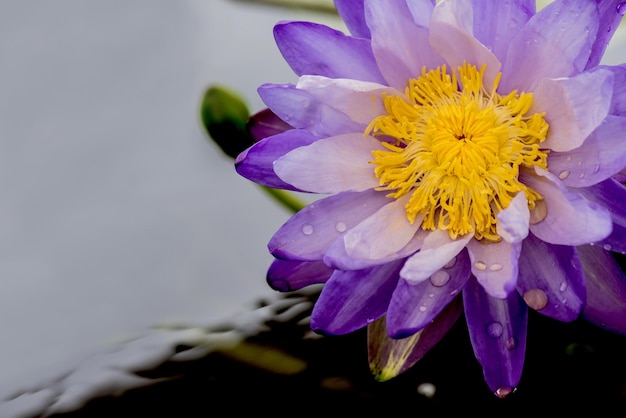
(551, 279)
(554, 43)
(495, 266)
(384, 232)
(337, 254)
(311, 48)
(265, 123)
(606, 289)
(602, 155)
(301, 110)
(438, 249)
(352, 13)
(331, 165)
(451, 36)
(389, 357)
(413, 306)
(497, 329)
(609, 21)
(360, 100)
(308, 233)
(352, 299)
(286, 276)
(400, 46)
(421, 11)
(257, 162)
(612, 195)
(574, 107)
(618, 102)
(496, 33)
(512, 222)
(571, 219)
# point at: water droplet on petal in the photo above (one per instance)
(495, 267)
(431, 295)
(607, 247)
(422, 308)
(581, 175)
(621, 8)
(596, 168)
(539, 213)
(307, 229)
(503, 392)
(563, 287)
(564, 174)
(511, 343)
(450, 263)
(536, 299)
(340, 226)
(569, 158)
(479, 265)
(494, 329)
(440, 278)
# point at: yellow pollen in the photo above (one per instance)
(456, 148)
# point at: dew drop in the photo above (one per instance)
(564, 174)
(503, 392)
(581, 175)
(511, 343)
(580, 162)
(479, 265)
(539, 213)
(495, 267)
(569, 158)
(422, 308)
(621, 8)
(307, 229)
(450, 263)
(340, 226)
(494, 329)
(607, 247)
(536, 299)
(596, 168)
(440, 278)
(426, 389)
(431, 295)
(454, 292)
(563, 287)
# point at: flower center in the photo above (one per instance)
(456, 149)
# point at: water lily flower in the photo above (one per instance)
(467, 154)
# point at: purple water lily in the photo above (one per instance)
(471, 152)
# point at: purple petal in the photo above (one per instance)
(301, 110)
(307, 234)
(311, 48)
(256, 163)
(554, 43)
(570, 219)
(497, 329)
(286, 276)
(551, 279)
(352, 299)
(601, 156)
(331, 165)
(265, 123)
(573, 107)
(437, 251)
(618, 102)
(352, 13)
(612, 195)
(421, 11)
(512, 222)
(606, 289)
(413, 306)
(390, 357)
(400, 46)
(360, 100)
(495, 266)
(609, 20)
(451, 36)
(496, 33)
(381, 234)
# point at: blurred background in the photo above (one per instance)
(118, 215)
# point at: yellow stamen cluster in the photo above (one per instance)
(457, 149)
